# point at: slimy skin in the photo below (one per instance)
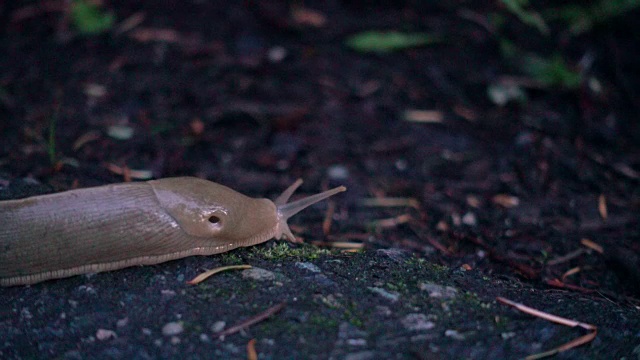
(116, 226)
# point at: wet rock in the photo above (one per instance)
(218, 326)
(470, 219)
(321, 280)
(417, 322)
(383, 310)
(350, 335)
(396, 255)
(439, 291)
(454, 334)
(308, 266)
(391, 296)
(72, 355)
(172, 328)
(105, 334)
(122, 322)
(258, 274)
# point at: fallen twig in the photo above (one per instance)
(562, 259)
(251, 321)
(559, 284)
(200, 278)
(392, 222)
(558, 320)
(251, 350)
(340, 244)
(592, 245)
(328, 217)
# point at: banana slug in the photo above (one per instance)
(116, 226)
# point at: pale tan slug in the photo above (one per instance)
(115, 226)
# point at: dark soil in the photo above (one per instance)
(513, 201)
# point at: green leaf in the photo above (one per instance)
(528, 17)
(581, 18)
(89, 19)
(552, 71)
(379, 41)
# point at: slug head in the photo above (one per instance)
(205, 209)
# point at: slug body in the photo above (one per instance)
(115, 226)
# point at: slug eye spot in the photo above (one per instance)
(214, 219)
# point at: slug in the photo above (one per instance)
(116, 226)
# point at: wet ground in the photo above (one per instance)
(495, 158)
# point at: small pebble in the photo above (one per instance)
(172, 328)
(469, 219)
(167, 293)
(104, 334)
(362, 355)
(416, 322)
(439, 291)
(120, 132)
(258, 274)
(454, 334)
(338, 172)
(276, 54)
(391, 296)
(308, 266)
(396, 255)
(218, 326)
(357, 342)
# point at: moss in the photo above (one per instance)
(322, 322)
(283, 250)
(352, 315)
(231, 258)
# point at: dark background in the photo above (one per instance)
(256, 94)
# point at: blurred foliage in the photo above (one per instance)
(378, 41)
(553, 71)
(582, 18)
(89, 19)
(527, 16)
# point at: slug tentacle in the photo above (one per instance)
(286, 210)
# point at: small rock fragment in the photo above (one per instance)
(321, 280)
(122, 322)
(120, 132)
(104, 334)
(439, 291)
(454, 334)
(383, 310)
(362, 355)
(469, 219)
(357, 342)
(168, 293)
(350, 335)
(391, 296)
(258, 274)
(218, 326)
(396, 255)
(308, 266)
(416, 322)
(172, 328)
(338, 172)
